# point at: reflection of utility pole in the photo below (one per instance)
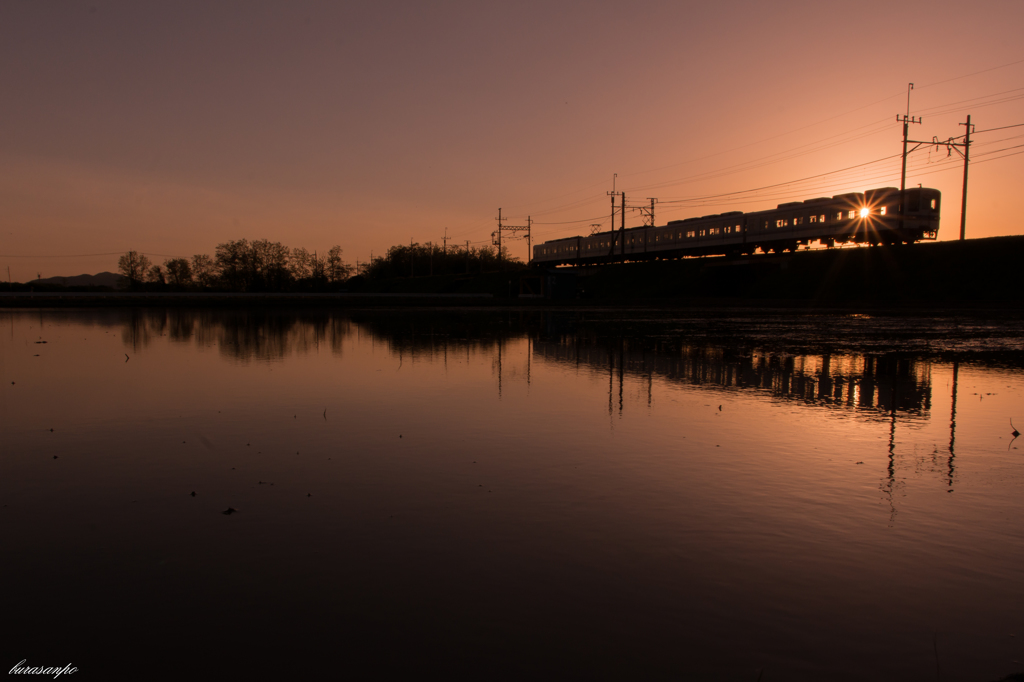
(892, 452)
(952, 427)
(529, 358)
(611, 379)
(622, 349)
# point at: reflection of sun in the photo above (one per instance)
(864, 212)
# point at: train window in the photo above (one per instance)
(839, 216)
(814, 218)
(934, 203)
(850, 214)
(739, 229)
(822, 218)
(779, 223)
(702, 233)
(728, 229)
(690, 234)
(766, 224)
(881, 211)
(797, 220)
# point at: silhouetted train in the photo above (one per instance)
(872, 217)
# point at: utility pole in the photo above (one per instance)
(467, 256)
(430, 245)
(446, 241)
(648, 217)
(529, 243)
(498, 242)
(496, 236)
(611, 230)
(907, 119)
(950, 146)
(648, 213)
(622, 230)
(963, 205)
(412, 272)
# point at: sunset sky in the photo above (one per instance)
(170, 127)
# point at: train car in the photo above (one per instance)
(870, 217)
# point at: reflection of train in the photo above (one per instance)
(871, 217)
(868, 384)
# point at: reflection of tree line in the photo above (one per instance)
(876, 382)
(246, 334)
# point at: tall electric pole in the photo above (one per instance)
(622, 230)
(611, 229)
(907, 119)
(529, 243)
(963, 205)
(500, 264)
(496, 237)
(648, 213)
(951, 147)
(446, 241)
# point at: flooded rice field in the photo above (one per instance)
(510, 495)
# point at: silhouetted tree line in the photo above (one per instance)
(419, 260)
(241, 265)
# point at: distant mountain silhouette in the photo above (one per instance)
(103, 279)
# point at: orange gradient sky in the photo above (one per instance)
(168, 128)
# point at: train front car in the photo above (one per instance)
(921, 217)
(880, 220)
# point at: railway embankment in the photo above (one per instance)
(976, 272)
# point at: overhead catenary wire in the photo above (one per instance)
(846, 137)
(843, 178)
(880, 126)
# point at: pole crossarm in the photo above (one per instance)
(513, 230)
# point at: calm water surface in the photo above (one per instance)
(511, 495)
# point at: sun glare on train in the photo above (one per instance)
(864, 212)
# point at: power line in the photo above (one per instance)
(967, 75)
(788, 154)
(790, 182)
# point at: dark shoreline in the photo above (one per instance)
(950, 277)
